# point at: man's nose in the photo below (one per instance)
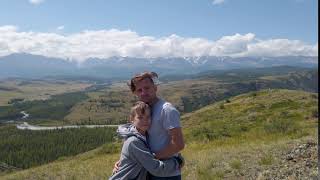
(143, 92)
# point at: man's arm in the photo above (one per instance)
(175, 145)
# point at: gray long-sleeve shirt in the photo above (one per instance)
(136, 159)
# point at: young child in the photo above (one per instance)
(136, 159)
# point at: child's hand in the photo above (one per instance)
(116, 167)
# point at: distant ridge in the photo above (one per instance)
(28, 65)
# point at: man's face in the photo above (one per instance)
(146, 91)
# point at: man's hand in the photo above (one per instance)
(116, 167)
(180, 160)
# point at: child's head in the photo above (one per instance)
(140, 116)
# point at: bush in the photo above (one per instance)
(254, 94)
(266, 160)
(281, 126)
(235, 164)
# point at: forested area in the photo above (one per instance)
(26, 148)
(56, 107)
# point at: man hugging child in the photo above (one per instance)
(136, 159)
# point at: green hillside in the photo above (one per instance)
(250, 136)
(257, 114)
(264, 134)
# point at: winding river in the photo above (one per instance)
(27, 126)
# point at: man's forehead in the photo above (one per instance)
(145, 81)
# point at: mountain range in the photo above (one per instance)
(35, 66)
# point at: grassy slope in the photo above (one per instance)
(241, 138)
(250, 133)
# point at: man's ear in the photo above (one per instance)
(134, 93)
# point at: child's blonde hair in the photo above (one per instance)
(140, 108)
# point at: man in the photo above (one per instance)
(165, 134)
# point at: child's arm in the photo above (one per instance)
(141, 154)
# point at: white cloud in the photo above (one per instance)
(232, 45)
(217, 2)
(282, 47)
(8, 28)
(113, 42)
(60, 28)
(36, 2)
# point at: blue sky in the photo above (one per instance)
(210, 20)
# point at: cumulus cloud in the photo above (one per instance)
(127, 43)
(36, 2)
(282, 47)
(217, 2)
(232, 45)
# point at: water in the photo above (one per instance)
(25, 125)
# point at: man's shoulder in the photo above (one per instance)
(168, 107)
(163, 104)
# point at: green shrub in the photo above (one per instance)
(253, 94)
(266, 160)
(235, 164)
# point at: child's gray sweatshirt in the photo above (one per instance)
(136, 158)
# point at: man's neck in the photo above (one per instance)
(154, 101)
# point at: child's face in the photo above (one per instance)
(142, 121)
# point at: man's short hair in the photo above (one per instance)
(140, 77)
